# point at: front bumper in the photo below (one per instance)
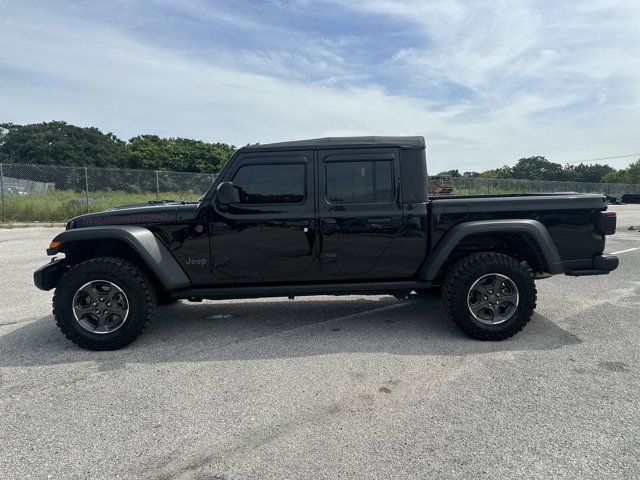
(598, 265)
(48, 275)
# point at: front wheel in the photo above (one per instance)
(490, 296)
(103, 303)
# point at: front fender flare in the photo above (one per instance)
(150, 249)
(533, 229)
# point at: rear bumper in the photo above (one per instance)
(48, 276)
(598, 265)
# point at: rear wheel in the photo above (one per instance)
(490, 296)
(103, 303)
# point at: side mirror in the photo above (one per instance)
(227, 193)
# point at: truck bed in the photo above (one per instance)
(567, 216)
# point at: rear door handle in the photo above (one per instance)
(329, 225)
(378, 221)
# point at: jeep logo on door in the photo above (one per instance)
(196, 261)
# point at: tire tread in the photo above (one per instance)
(119, 266)
(459, 273)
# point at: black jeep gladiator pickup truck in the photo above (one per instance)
(332, 216)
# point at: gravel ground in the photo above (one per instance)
(354, 387)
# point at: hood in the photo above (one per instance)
(156, 212)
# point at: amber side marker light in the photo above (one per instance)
(54, 244)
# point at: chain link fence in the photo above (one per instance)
(480, 186)
(46, 193)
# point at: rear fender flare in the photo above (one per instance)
(533, 229)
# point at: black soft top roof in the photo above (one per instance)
(416, 142)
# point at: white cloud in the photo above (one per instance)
(533, 73)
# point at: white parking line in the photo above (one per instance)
(625, 251)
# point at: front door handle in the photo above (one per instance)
(328, 257)
(378, 221)
(298, 224)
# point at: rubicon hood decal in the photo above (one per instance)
(143, 217)
(144, 214)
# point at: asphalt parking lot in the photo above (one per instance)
(351, 387)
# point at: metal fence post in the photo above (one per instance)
(157, 186)
(4, 212)
(86, 187)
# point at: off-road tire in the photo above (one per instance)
(129, 278)
(461, 277)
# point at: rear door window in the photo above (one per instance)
(359, 182)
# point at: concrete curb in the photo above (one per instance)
(32, 224)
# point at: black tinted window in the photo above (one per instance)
(359, 182)
(283, 183)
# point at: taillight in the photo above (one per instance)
(609, 223)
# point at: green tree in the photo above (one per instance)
(502, 172)
(58, 143)
(631, 174)
(451, 173)
(181, 154)
(537, 168)
(587, 173)
(613, 177)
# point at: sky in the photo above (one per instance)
(485, 82)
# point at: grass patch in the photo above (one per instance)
(59, 205)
